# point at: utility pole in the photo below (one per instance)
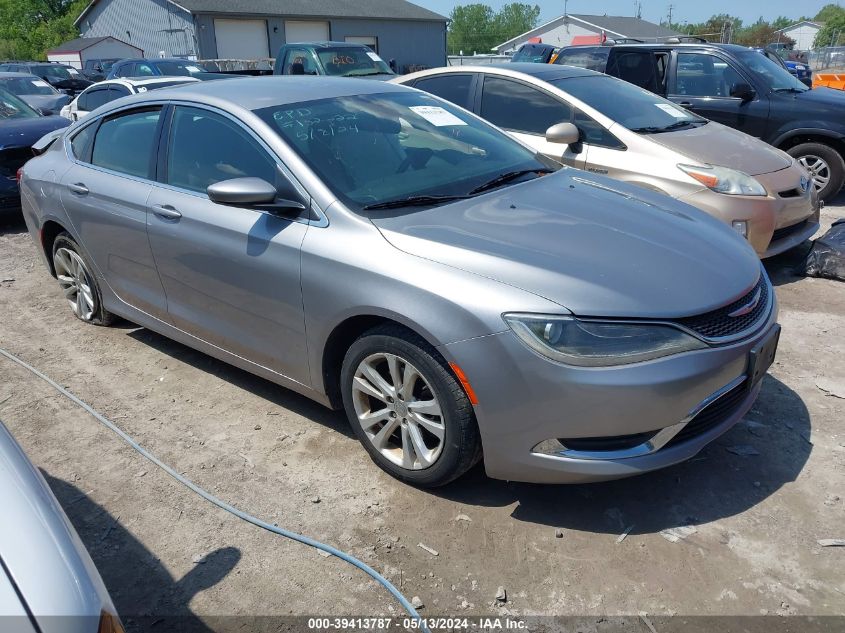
(639, 7)
(671, 8)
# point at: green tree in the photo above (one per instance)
(476, 28)
(471, 29)
(832, 33)
(514, 19)
(829, 12)
(29, 28)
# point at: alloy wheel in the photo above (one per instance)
(75, 281)
(398, 411)
(818, 169)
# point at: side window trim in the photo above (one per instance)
(89, 150)
(163, 151)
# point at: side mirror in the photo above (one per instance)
(251, 192)
(563, 133)
(742, 91)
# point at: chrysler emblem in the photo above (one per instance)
(805, 183)
(748, 307)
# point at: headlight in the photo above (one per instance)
(724, 180)
(598, 343)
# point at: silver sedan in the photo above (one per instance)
(48, 583)
(383, 251)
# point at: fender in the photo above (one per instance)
(807, 131)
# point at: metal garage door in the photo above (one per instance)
(241, 39)
(306, 31)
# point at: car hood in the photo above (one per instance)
(47, 102)
(717, 144)
(830, 99)
(24, 132)
(591, 244)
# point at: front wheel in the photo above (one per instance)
(825, 166)
(407, 408)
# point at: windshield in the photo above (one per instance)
(372, 149)
(54, 71)
(13, 108)
(632, 107)
(27, 86)
(181, 69)
(775, 76)
(352, 62)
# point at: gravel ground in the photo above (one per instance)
(162, 551)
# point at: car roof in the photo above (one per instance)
(252, 93)
(329, 44)
(544, 72)
(663, 45)
(148, 81)
(10, 75)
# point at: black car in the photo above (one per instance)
(738, 87)
(97, 69)
(20, 128)
(61, 76)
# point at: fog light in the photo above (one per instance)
(741, 227)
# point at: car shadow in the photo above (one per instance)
(274, 394)
(146, 596)
(715, 484)
(790, 266)
(11, 223)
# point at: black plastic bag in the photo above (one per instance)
(827, 257)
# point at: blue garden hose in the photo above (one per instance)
(222, 504)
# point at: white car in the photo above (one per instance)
(106, 91)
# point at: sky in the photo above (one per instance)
(656, 10)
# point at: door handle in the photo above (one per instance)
(686, 104)
(78, 188)
(166, 211)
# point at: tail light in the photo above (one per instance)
(19, 175)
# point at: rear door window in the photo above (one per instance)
(126, 143)
(455, 88)
(93, 99)
(592, 58)
(515, 106)
(636, 67)
(704, 75)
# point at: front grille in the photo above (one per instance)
(786, 231)
(712, 415)
(718, 324)
(615, 443)
(10, 203)
(791, 193)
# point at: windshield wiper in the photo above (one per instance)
(507, 177)
(677, 125)
(413, 201)
(795, 90)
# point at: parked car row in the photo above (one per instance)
(604, 125)
(740, 88)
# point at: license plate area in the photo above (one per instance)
(763, 355)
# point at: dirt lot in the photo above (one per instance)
(163, 551)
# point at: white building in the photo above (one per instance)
(570, 29)
(804, 33)
(77, 52)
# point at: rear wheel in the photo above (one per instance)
(825, 166)
(75, 276)
(407, 409)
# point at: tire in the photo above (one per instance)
(75, 276)
(397, 450)
(825, 165)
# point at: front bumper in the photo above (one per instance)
(526, 401)
(781, 220)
